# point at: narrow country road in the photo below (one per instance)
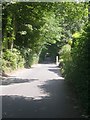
(38, 92)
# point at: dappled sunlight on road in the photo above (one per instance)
(27, 84)
(39, 92)
(26, 89)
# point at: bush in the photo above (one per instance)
(12, 60)
(65, 58)
(79, 75)
(75, 65)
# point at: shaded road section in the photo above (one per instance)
(39, 92)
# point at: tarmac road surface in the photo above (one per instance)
(38, 92)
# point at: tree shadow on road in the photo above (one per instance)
(57, 105)
(55, 69)
(13, 80)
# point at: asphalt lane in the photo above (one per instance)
(39, 92)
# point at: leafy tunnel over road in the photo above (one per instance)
(40, 92)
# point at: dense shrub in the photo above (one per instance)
(75, 65)
(65, 58)
(12, 60)
(30, 57)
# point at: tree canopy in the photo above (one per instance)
(30, 30)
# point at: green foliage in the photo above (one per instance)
(7, 27)
(65, 58)
(32, 59)
(37, 28)
(76, 69)
(76, 35)
(33, 25)
(65, 51)
(12, 60)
